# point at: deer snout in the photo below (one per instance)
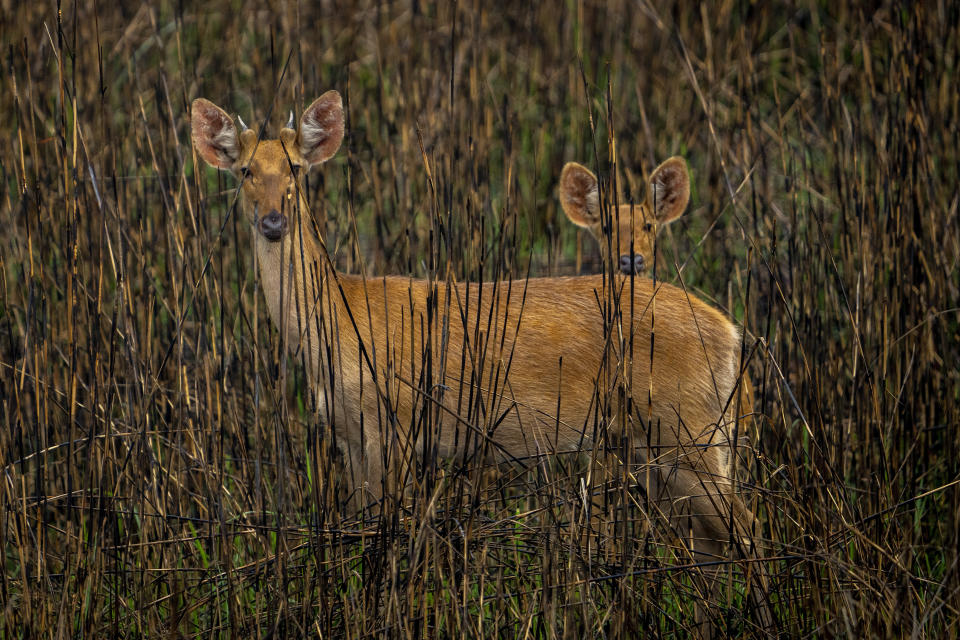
(273, 225)
(632, 264)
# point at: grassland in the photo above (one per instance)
(163, 474)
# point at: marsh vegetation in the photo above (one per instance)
(163, 469)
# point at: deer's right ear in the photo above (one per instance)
(214, 134)
(322, 128)
(579, 195)
(669, 191)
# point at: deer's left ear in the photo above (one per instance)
(669, 190)
(321, 128)
(214, 135)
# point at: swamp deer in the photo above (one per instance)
(630, 231)
(406, 368)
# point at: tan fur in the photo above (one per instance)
(636, 227)
(516, 348)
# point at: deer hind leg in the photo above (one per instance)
(728, 519)
(361, 478)
(713, 527)
(728, 523)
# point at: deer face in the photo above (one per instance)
(633, 228)
(269, 169)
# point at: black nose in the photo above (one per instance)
(273, 225)
(631, 264)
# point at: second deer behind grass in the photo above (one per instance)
(628, 233)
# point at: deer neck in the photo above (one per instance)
(292, 271)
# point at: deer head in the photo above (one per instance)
(269, 169)
(634, 228)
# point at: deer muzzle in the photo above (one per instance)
(632, 264)
(273, 225)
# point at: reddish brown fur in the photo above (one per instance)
(635, 227)
(373, 328)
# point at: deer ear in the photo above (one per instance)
(214, 134)
(579, 195)
(669, 190)
(321, 128)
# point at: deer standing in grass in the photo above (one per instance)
(514, 369)
(632, 232)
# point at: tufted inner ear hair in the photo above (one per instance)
(669, 190)
(214, 134)
(580, 195)
(321, 128)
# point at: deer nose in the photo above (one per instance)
(631, 264)
(273, 225)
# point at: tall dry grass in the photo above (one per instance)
(163, 473)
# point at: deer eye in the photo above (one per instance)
(244, 173)
(648, 227)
